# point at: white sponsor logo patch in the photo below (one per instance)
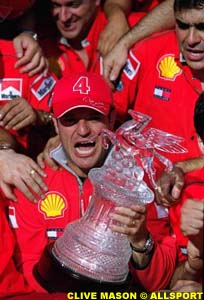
(10, 88)
(12, 217)
(131, 67)
(40, 90)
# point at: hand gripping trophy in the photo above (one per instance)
(88, 250)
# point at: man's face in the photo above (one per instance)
(73, 17)
(79, 132)
(190, 34)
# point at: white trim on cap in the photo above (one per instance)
(79, 106)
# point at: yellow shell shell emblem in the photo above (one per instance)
(168, 68)
(53, 205)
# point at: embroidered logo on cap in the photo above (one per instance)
(168, 68)
(53, 206)
(10, 88)
(82, 85)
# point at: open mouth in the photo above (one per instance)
(85, 148)
(194, 52)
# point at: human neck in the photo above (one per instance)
(78, 171)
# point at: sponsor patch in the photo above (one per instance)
(12, 216)
(168, 68)
(54, 233)
(53, 206)
(40, 88)
(184, 250)
(10, 88)
(162, 93)
(162, 212)
(131, 67)
(119, 86)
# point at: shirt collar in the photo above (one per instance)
(59, 155)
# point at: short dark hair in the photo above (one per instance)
(199, 116)
(188, 4)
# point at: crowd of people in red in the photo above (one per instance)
(120, 54)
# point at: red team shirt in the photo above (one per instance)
(49, 220)
(64, 60)
(36, 90)
(152, 83)
(11, 281)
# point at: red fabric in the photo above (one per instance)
(166, 252)
(36, 89)
(158, 274)
(11, 281)
(32, 232)
(171, 94)
(37, 227)
(81, 90)
(64, 60)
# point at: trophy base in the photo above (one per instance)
(55, 277)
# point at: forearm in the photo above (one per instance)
(162, 263)
(160, 18)
(191, 164)
(7, 140)
(186, 272)
(191, 269)
(112, 7)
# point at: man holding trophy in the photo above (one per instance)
(81, 110)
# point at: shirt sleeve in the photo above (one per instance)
(40, 91)
(30, 232)
(158, 273)
(12, 282)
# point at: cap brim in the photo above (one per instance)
(79, 106)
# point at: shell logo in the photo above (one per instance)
(53, 205)
(168, 68)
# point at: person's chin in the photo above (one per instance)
(195, 65)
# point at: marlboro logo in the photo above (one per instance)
(40, 88)
(10, 88)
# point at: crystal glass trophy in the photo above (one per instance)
(88, 248)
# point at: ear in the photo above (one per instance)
(55, 125)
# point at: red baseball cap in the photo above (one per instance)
(88, 90)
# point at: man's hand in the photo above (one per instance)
(17, 114)
(169, 187)
(114, 61)
(194, 263)
(22, 172)
(30, 55)
(131, 221)
(192, 217)
(187, 286)
(45, 155)
(192, 222)
(111, 34)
